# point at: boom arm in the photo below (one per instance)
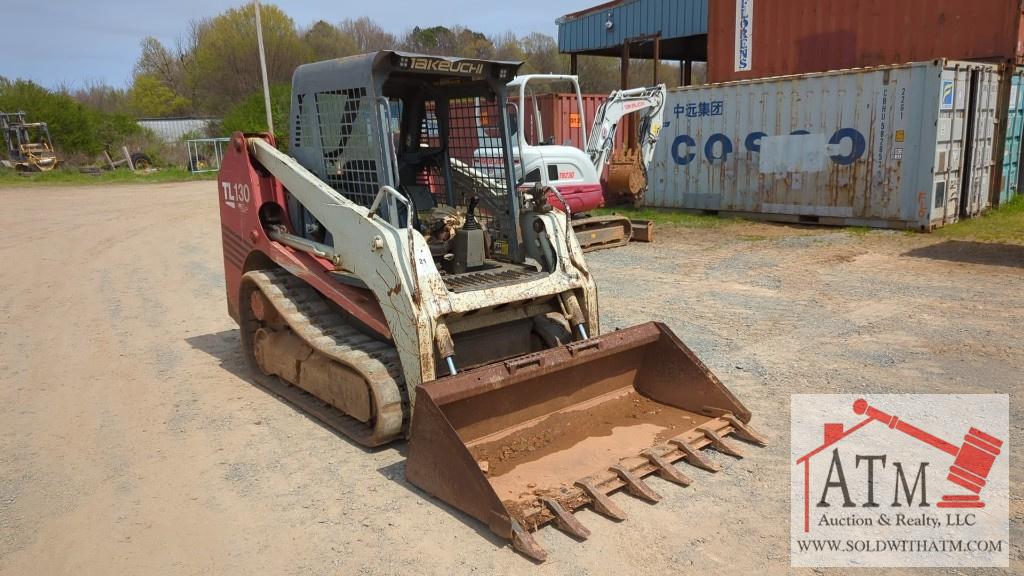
(650, 100)
(396, 264)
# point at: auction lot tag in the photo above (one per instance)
(900, 480)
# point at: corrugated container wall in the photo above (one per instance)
(560, 119)
(174, 129)
(1014, 133)
(800, 36)
(907, 146)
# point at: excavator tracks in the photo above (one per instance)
(600, 232)
(290, 330)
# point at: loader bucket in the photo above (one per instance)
(524, 442)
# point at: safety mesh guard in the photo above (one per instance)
(350, 145)
(472, 123)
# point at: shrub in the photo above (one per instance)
(75, 129)
(249, 115)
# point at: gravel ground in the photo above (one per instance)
(131, 441)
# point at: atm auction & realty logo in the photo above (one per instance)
(900, 480)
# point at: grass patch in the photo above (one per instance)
(11, 179)
(1003, 225)
(858, 230)
(666, 216)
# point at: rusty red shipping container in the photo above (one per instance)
(560, 121)
(760, 38)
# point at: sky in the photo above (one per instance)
(76, 42)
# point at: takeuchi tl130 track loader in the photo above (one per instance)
(399, 292)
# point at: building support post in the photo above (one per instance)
(625, 66)
(657, 57)
(627, 124)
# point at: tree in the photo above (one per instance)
(368, 35)
(151, 97)
(102, 97)
(506, 47)
(174, 70)
(542, 55)
(598, 74)
(470, 44)
(227, 67)
(433, 40)
(325, 41)
(156, 61)
(442, 41)
(250, 115)
(74, 127)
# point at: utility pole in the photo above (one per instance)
(263, 68)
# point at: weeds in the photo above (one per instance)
(12, 179)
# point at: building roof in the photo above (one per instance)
(591, 10)
(681, 25)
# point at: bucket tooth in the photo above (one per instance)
(666, 469)
(721, 444)
(744, 432)
(602, 503)
(634, 485)
(525, 543)
(694, 457)
(565, 521)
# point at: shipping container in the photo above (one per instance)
(560, 119)
(907, 146)
(756, 39)
(1014, 132)
(982, 152)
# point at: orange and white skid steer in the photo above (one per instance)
(401, 293)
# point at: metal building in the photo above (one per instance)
(174, 129)
(644, 29)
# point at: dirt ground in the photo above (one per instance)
(131, 441)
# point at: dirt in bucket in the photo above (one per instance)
(557, 449)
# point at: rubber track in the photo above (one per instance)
(584, 225)
(325, 330)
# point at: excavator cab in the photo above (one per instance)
(415, 293)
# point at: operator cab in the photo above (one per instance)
(411, 121)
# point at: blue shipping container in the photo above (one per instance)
(1014, 133)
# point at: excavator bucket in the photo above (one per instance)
(626, 179)
(524, 442)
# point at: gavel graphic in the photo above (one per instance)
(973, 460)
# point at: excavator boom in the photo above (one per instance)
(627, 169)
(577, 172)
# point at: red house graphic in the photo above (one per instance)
(972, 460)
